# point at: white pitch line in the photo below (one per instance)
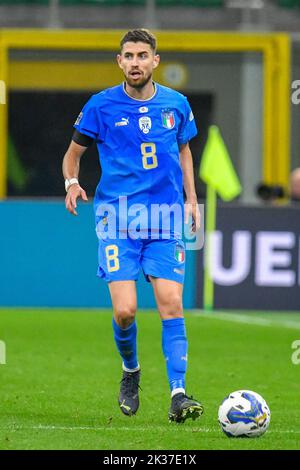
(131, 429)
(247, 319)
(100, 428)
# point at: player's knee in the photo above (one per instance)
(172, 307)
(124, 315)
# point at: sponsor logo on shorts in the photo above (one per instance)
(178, 271)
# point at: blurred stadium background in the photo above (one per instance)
(238, 61)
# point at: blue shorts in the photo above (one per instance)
(121, 259)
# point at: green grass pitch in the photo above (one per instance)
(59, 386)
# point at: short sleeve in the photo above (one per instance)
(87, 121)
(187, 129)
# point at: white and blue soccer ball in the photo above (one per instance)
(244, 414)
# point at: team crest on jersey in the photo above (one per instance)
(179, 253)
(168, 118)
(145, 124)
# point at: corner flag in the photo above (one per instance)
(216, 168)
(217, 171)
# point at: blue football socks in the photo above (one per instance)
(126, 344)
(174, 344)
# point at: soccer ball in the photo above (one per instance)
(244, 414)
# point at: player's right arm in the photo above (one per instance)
(70, 168)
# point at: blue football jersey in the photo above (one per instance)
(138, 143)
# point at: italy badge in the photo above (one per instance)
(179, 253)
(168, 118)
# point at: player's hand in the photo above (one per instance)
(192, 209)
(75, 191)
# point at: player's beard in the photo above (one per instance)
(140, 84)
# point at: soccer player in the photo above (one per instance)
(142, 131)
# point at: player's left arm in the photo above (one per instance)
(191, 205)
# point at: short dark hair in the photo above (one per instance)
(139, 35)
